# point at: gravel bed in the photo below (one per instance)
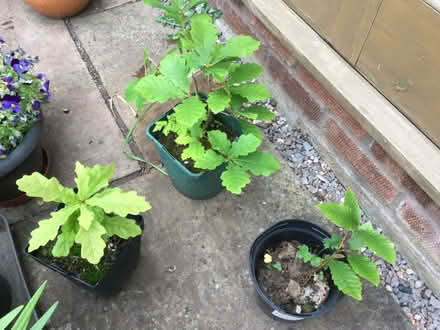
(313, 174)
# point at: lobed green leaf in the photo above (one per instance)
(121, 227)
(194, 150)
(245, 145)
(218, 100)
(190, 111)
(245, 72)
(209, 160)
(259, 163)
(364, 267)
(158, 89)
(253, 92)
(235, 179)
(345, 279)
(90, 180)
(219, 141)
(92, 243)
(174, 68)
(239, 46)
(249, 128)
(257, 112)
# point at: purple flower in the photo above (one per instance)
(2, 149)
(8, 79)
(1, 41)
(16, 109)
(36, 105)
(20, 66)
(9, 100)
(41, 76)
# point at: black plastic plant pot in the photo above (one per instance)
(198, 186)
(5, 297)
(25, 159)
(305, 233)
(123, 267)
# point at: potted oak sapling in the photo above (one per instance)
(209, 140)
(93, 238)
(301, 271)
(22, 95)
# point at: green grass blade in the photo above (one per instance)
(45, 318)
(8, 318)
(25, 316)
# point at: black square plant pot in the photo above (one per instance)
(115, 278)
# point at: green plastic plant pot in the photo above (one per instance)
(198, 186)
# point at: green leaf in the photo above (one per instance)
(92, 243)
(175, 69)
(204, 36)
(86, 216)
(221, 70)
(235, 179)
(156, 4)
(364, 267)
(121, 203)
(257, 112)
(355, 242)
(41, 323)
(219, 141)
(239, 46)
(315, 261)
(90, 180)
(8, 318)
(218, 100)
(249, 128)
(259, 163)
(122, 227)
(130, 93)
(345, 279)
(277, 266)
(37, 185)
(194, 150)
(185, 139)
(190, 111)
(245, 72)
(378, 243)
(66, 239)
(333, 242)
(338, 214)
(304, 253)
(252, 92)
(245, 145)
(352, 204)
(158, 89)
(48, 229)
(237, 102)
(209, 160)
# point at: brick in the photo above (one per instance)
(424, 225)
(360, 162)
(334, 107)
(399, 174)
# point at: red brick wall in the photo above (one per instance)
(375, 169)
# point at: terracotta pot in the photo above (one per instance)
(58, 8)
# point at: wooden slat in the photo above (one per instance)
(343, 23)
(401, 58)
(407, 145)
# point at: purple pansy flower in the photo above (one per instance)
(16, 109)
(36, 105)
(20, 66)
(9, 100)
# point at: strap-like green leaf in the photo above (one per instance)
(121, 203)
(174, 68)
(122, 227)
(345, 279)
(92, 243)
(37, 185)
(48, 229)
(219, 141)
(158, 89)
(218, 100)
(252, 92)
(364, 267)
(235, 179)
(351, 202)
(338, 214)
(209, 160)
(245, 72)
(39, 325)
(90, 180)
(239, 46)
(245, 145)
(190, 111)
(249, 128)
(259, 163)
(8, 318)
(378, 243)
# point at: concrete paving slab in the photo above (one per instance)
(115, 41)
(101, 5)
(208, 242)
(87, 133)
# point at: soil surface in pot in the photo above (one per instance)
(286, 288)
(80, 268)
(176, 150)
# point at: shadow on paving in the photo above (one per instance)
(208, 242)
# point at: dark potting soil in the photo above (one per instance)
(286, 288)
(176, 150)
(79, 267)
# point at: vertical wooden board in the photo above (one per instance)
(401, 58)
(343, 23)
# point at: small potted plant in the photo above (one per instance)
(58, 8)
(22, 95)
(209, 140)
(300, 271)
(23, 314)
(93, 238)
